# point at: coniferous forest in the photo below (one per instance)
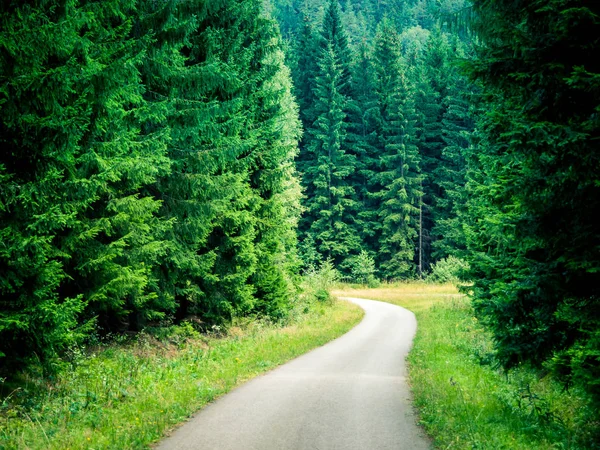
(176, 159)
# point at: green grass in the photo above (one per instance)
(462, 400)
(129, 397)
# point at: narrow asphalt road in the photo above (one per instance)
(350, 394)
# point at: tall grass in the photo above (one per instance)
(463, 400)
(126, 397)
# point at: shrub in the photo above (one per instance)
(317, 283)
(448, 270)
(362, 269)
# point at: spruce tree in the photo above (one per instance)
(43, 118)
(273, 176)
(457, 128)
(232, 190)
(430, 74)
(330, 210)
(304, 73)
(399, 177)
(533, 235)
(362, 143)
(125, 237)
(82, 232)
(333, 33)
(329, 165)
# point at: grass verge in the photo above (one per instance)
(127, 398)
(462, 400)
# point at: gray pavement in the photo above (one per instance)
(350, 394)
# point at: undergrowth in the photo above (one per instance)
(127, 395)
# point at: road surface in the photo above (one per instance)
(350, 394)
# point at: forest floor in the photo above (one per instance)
(129, 395)
(463, 401)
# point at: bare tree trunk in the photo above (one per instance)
(421, 232)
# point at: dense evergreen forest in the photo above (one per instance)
(177, 159)
(147, 169)
(386, 115)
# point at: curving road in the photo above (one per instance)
(350, 394)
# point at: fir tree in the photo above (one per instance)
(457, 128)
(43, 118)
(82, 234)
(400, 179)
(532, 232)
(331, 208)
(272, 175)
(117, 163)
(305, 71)
(231, 157)
(333, 33)
(363, 144)
(430, 74)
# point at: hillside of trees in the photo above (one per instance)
(177, 159)
(386, 117)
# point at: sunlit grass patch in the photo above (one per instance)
(129, 397)
(415, 296)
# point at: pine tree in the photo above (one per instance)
(231, 161)
(305, 71)
(43, 118)
(148, 169)
(303, 74)
(362, 143)
(329, 165)
(400, 179)
(272, 175)
(125, 236)
(532, 231)
(333, 33)
(82, 234)
(331, 208)
(430, 77)
(457, 129)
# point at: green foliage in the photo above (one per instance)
(308, 254)
(457, 127)
(399, 176)
(318, 283)
(531, 232)
(448, 270)
(361, 17)
(81, 233)
(331, 207)
(385, 126)
(362, 143)
(362, 269)
(148, 172)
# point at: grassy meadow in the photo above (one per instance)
(462, 400)
(129, 396)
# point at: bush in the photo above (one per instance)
(448, 270)
(362, 269)
(317, 283)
